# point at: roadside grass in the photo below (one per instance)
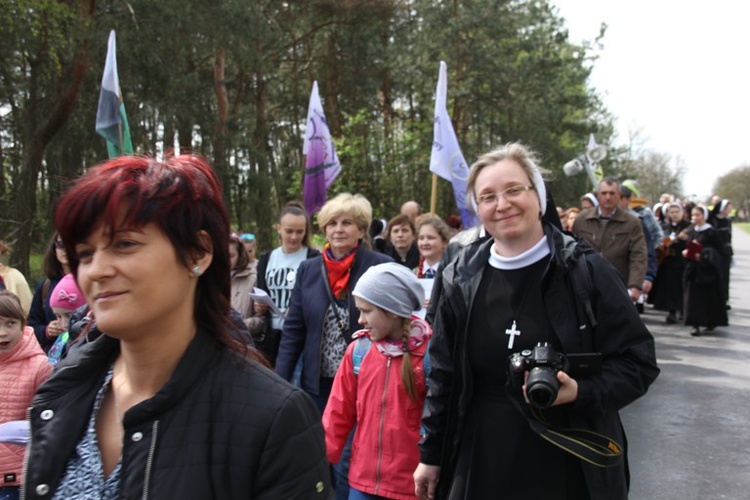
(745, 226)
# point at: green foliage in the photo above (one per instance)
(36, 273)
(513, 75)
(735, 186)
(318, 240)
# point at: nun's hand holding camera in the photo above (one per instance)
(567, 393)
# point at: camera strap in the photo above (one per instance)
(591, 447)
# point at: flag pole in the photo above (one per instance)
(122, 139)
(433, 195)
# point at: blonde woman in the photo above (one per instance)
(322, 314)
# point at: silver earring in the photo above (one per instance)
(197, 271)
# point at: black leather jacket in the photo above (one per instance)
(627, 347)
(221, 427)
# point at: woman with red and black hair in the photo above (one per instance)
(164, 404)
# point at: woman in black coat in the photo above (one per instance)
(667, 293)
(164, 404)
(501, 297)
(705, 302)
(720, 218)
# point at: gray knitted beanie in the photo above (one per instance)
(392, 287)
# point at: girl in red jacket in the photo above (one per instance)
(380, 386)
(23, 367)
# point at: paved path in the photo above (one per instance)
(689, 437)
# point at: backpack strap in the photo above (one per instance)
(361, 348)
(583, 289)
(581, 277)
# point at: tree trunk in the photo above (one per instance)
(41, 126)
(220, 125)
(261, 147)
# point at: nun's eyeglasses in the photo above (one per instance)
(513, 192)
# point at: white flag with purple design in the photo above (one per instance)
(321, 164)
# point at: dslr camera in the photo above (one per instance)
(542, 363)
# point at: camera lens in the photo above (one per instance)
(542, 387)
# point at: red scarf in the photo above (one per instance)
(420, 266)
(338, 271)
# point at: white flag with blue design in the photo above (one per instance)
(446, 160)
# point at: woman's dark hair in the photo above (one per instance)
(296, 208)
(243, 258)
(52, 267)
(182, 196)
(400, 220)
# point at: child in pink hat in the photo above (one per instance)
(65, 298)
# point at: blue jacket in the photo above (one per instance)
(303, 326)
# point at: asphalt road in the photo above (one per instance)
(689, 436)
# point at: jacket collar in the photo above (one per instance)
(561, 245)
(27, 347)
(202, 352)
(244, 272)
(91, 363)
(617, 214)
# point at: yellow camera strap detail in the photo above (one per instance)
(591, 447)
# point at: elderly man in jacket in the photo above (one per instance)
(616, 234)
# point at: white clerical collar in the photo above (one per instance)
(530, 256)
(702, 227)
(426, 266)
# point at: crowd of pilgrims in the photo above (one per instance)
(54, 320)
(299, 306)
(692, 287)
(689, 259)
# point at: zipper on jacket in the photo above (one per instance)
(25, 468)
(150, 460)
(380, 426)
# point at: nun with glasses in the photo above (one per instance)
(506, 294)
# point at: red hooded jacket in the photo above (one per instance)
(384, 450)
